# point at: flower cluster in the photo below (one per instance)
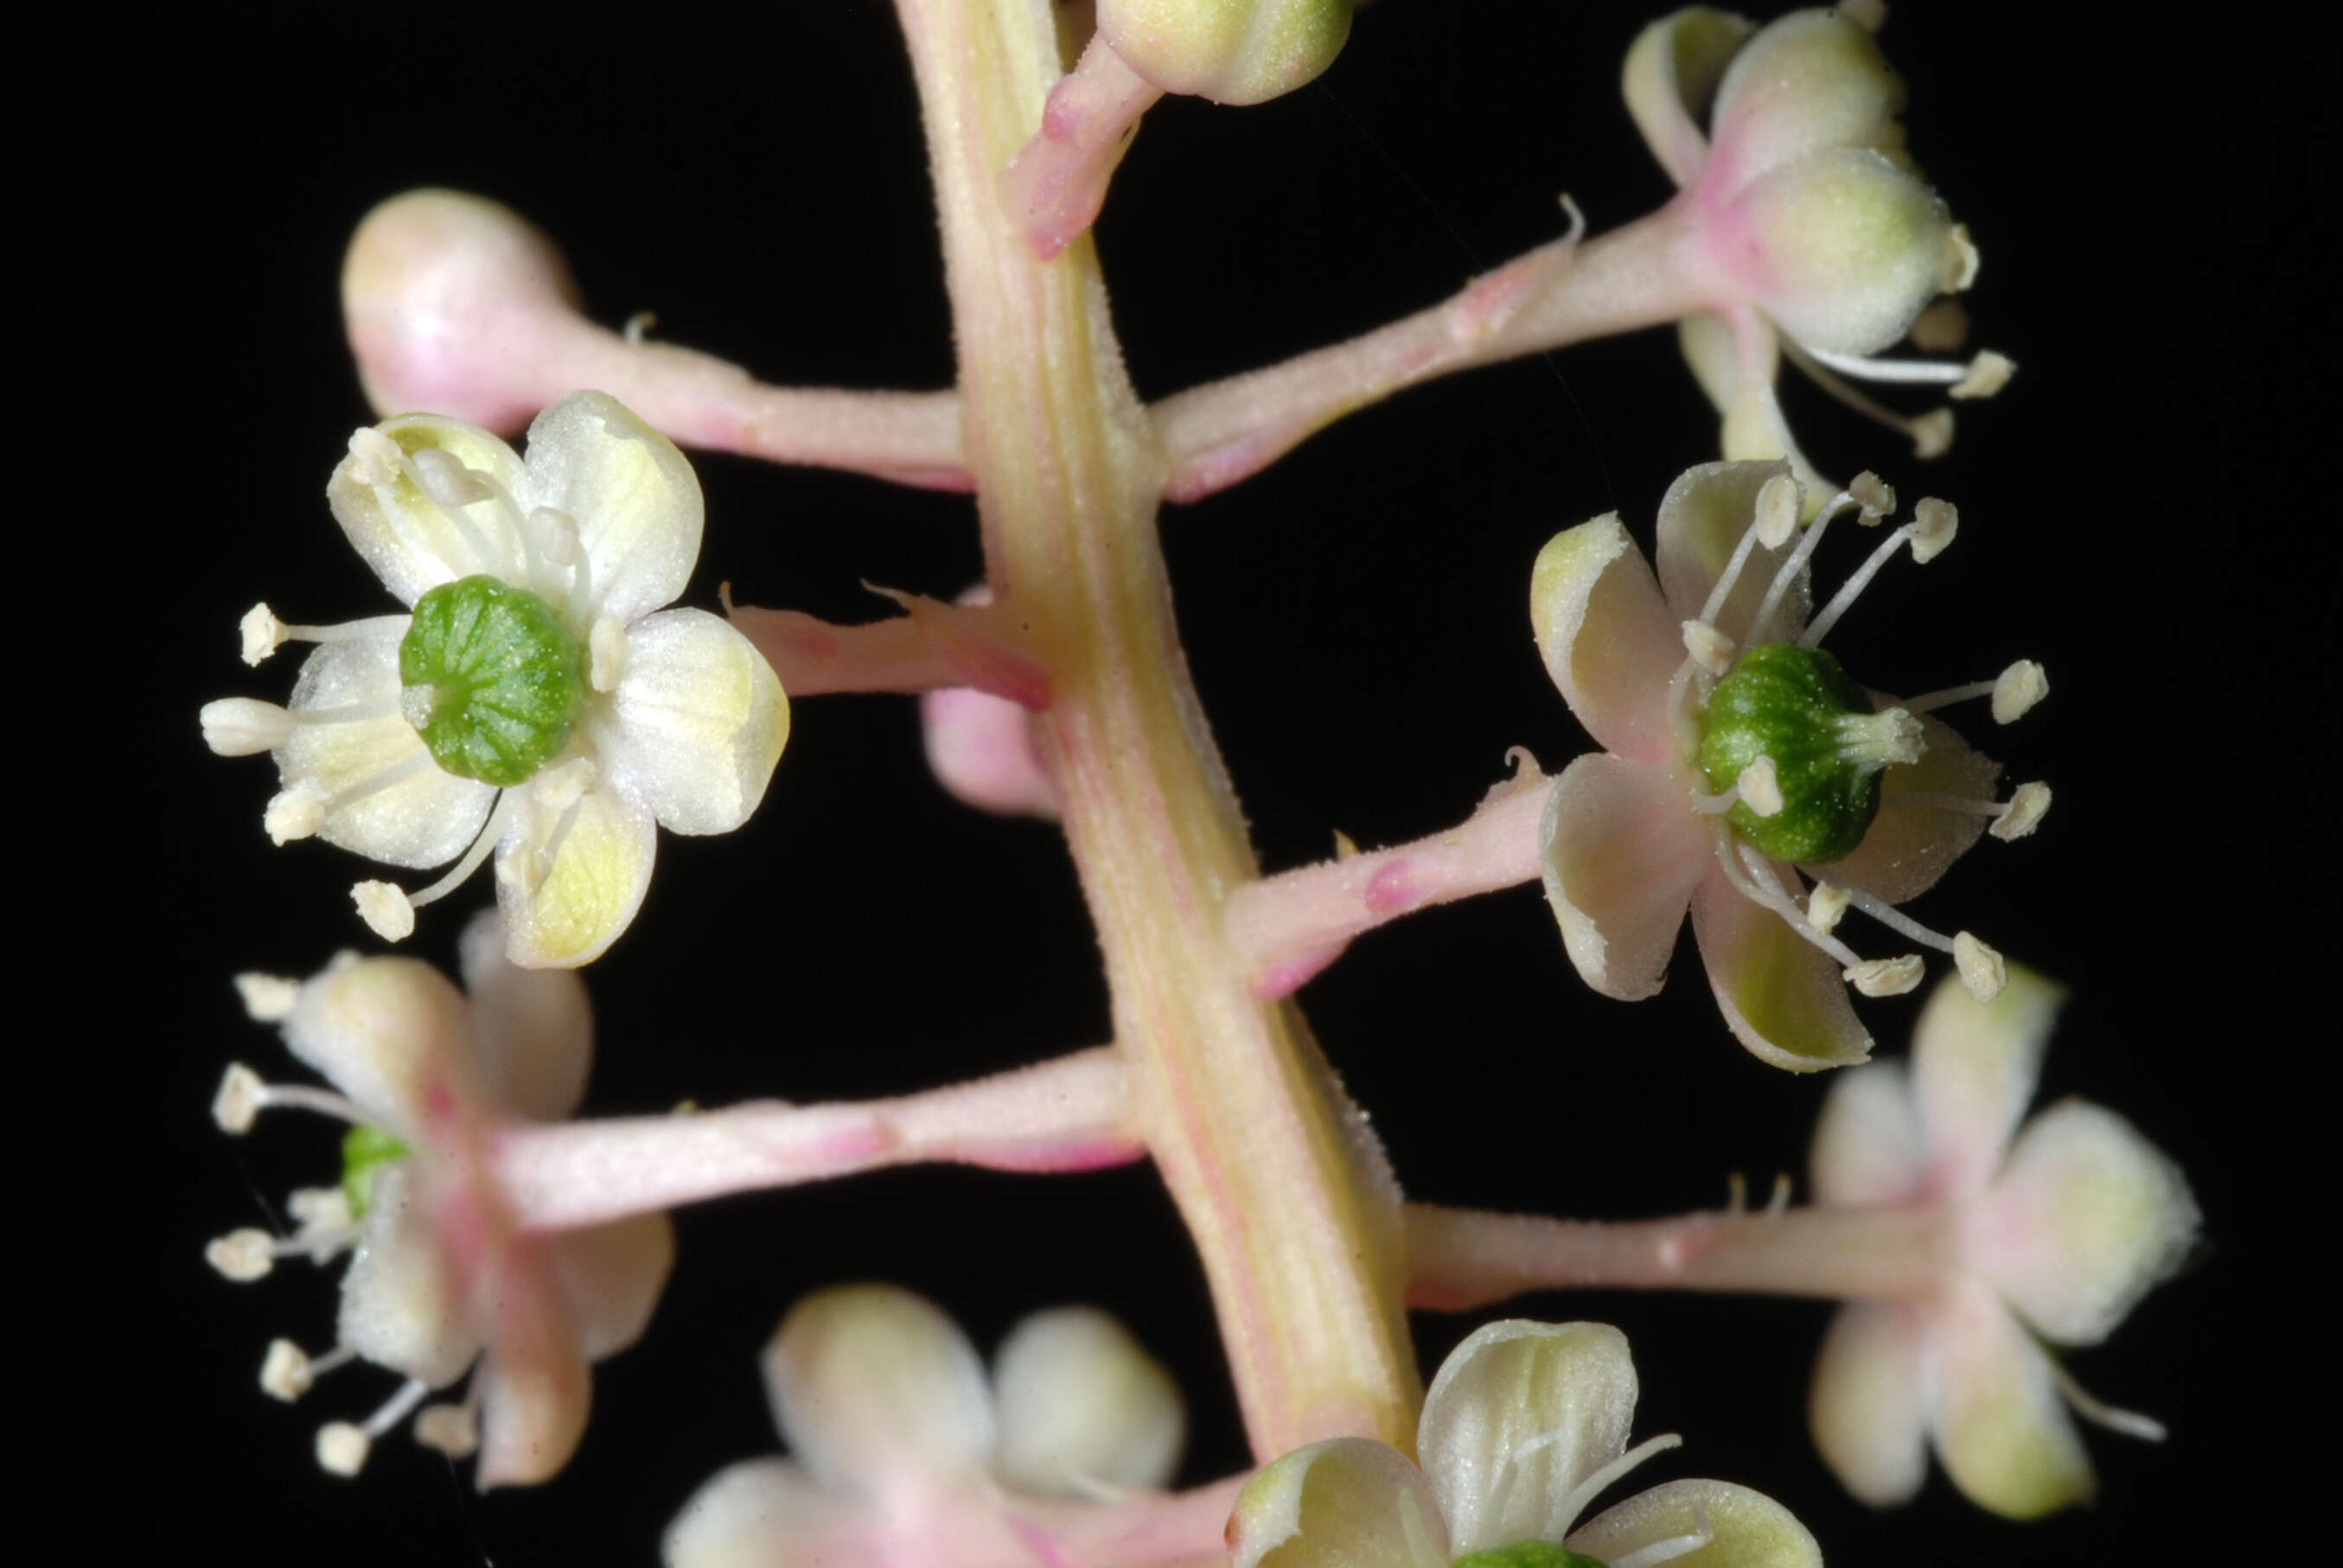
(439, 1277)
(538, 702)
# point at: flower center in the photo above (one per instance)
(365, 1152)
(491, 680)
(1797, 706)
(1528, 1554)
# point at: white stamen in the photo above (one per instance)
(2130, 1423)
(295, 813)
(377, 458)
(288, 1371)
(1961, 260)
(320, 1208)
(557, 535)
(350, 712)
(1896, 921)
(1931, 701)
(1588, 1490)
(386, 909)
(1420, 1553)
(1752, 878)
(1888, 372)
(262, 634)
(1761, 788)
(558, 788)
(446, 479)
(244, 726)
(2017, 689)
(1931, 434)
(237, 1104)
(453, 1429)
(640, 322)
(1717, 805)
(1702, 1533)
(243, 1255)
(1981, 969)
(390, 778)
(267, 999)
(2029, 804)
(1875, 498)
(1786, 574)
(1988, 373)
(1843, 601)
(490, 832)
(1710, 649)
(1778, 1202)
(342, 1448)
(1934, 524)
(607, 654)
(1825, 906)
(1885, 977)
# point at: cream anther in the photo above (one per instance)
(1934, 524)
(293, 814)
(1710, 649)
(557, 535)
(1778, 504)
(287, 1373)
(560, 787)
(267, 999)
(238, 1103)
(447, 481)
(242, 1256)
(606, 648)
(325, 1218)
(1875, 498)
(1988, 373)
(342, 1448)
(1931, 433)
(1886, 977)
(2017, 689)
(244, 726)
(1761, 788)
(1961, 260)
(453, 1429)
(2028, 803)
(1825, 906)
(262, 633)
(1981, 968)
(386, 909)
(377, 457)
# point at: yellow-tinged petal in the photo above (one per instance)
(1671, 70)
(2002, 1428)
(1809, 80)
(1570, 1385)
(532, 1028)
(1908, 847)
(1701, 519)
(1868, 1406)
(700, 720)
(1344, 1503)
(401, 1307)
(608, 1278)
(412, 542)
(1082, 1405)
(634, 497)
(1867, 1150)
(1842, 248)
(2085, 1217)
(425, 817)
(1754, 429)
(1609, 641)
(1974, 1067)
(570, 880)
(392, 1034)
(1621, 850)
(1782, 997)
(1748, 1529)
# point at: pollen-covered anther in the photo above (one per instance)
(267, 999)
(385, 909)
(2029, 804)
(453, 1429)
(447, 481)
(291, 814)
(1825, 906)
(1875, 498)
(375, 458)
(288, 1371)
(262, 634)
(1761, 788)
(1710, 649)
(1961, 259)
(1886, 977)
(1934, 524)
(342, 1448)
(1988, 373)
(243, 1255)
(241, 1095)
(557, 535)
(2017, 689)
(605, 652)
(244, 726)
(1981, 968)
(1780, 500)
(1931, 433)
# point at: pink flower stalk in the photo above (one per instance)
(2057, 1229)
(440, 1281)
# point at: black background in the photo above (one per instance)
(2133, 515)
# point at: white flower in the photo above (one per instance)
(538, 702)
(906, 1453)
(2060, 1229)
(1526, 1425)
(439, 1279)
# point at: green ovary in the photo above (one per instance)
(365, 1152)
(1791, 704)
(1528, 1554)
(492, 680)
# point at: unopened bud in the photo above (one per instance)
(1229, 51)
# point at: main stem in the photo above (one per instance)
(1286, 1196)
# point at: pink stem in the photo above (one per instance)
(934, 647)
(1459, 1258)
(1069, 1114)
(1180, 1530)
(1285, 929)
(1057, 182)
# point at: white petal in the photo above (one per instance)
(401, 1306)
(412, 542)
(1082, 1403)
(877, 1389)
(1671, 70)
(391, 1033)
(2002, 1427)
(1344, 1503)
(1812, 79)
(1907, 848)
(2086, 1216)
(1609, 641)
(1974, 1067)
(1701, 519)
(1869, 1408)
(569, 881)
(634, 497)
(429, 817)
(608, 1277)
(700, 720)
(763, 1513)
(1781, 996)
(534, 1390)
(1621, 850)
(532, 1029)
(1867, 1151)
(1570, 1385)
(1748, 1529)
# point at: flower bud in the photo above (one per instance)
(1841, 248)
(1811, 80)
(1229, 51)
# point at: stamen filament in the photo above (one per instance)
(1844, 601)
(2130, 1423)
(1771, 896)
(1931, 434)
(1899, 372)
(1675, 1546)
(1795, 562)
(303, 1096)
(349, 630)
(395, 1409)
(490, 832)
(349, 712)
(1896, 921)
(1950, 695)
(1588, 1490)
(396, 774)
